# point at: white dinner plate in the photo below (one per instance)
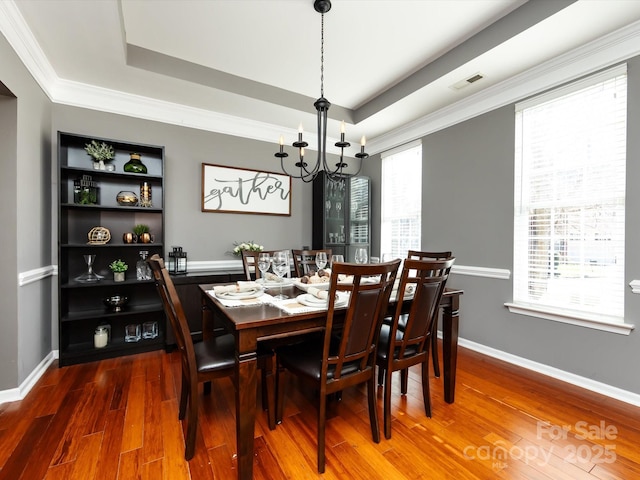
(253, 293)
(313, 301)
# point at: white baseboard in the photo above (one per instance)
(19, 393)
(577, 380)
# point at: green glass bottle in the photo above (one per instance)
(134, 165)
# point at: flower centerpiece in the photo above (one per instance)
(100, 152)
(250, 246)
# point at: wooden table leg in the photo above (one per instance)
(450, 321)
(246, 375)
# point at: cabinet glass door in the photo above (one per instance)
(359, 221)
(335, 212)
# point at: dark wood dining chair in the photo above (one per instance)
(201, 362)
(419, 255)
(401, 348)
(250, 262)
(305, 260)
(345, 354)
(416, 254)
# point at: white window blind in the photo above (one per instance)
(401, 200)
(570, 199)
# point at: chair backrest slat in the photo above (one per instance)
(428, 278)
(352, 346)
(305, 260)
(250, 262)
(174, 311)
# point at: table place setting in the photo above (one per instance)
(315, 299)
(242, 293)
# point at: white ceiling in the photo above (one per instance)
(387, 63)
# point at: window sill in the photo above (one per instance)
(564, 317)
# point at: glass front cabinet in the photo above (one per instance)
(107, 212)
(341, 215)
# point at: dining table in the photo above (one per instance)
(252, 323)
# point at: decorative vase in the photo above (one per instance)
(127, 199)
(134, 165)
(130, 238)
(118, 276)
(144, 238)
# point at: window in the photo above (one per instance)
(570, 199)
(401, 200)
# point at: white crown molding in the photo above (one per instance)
(19, 36)
(604, 52)
(593, 56)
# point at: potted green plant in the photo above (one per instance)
(118, 267)
(101, 153)
(142, 232)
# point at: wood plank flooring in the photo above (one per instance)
(117, 419)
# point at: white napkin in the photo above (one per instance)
(244, 302)
(316, 292)
(408, 289)
(241, 286)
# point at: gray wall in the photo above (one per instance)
(468, 208)
(205, 236)
(25, 216)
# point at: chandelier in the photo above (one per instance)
(305, 172)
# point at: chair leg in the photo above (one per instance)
(434, 349)
(269, 392)
(322, 417)
(192, 423)
(380, 376)
(387, 404)
(279, 394)
(373, 409)
(404, 381)
(207, 388)
(425, 387)
(184, 396)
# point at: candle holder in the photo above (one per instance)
(145, 195)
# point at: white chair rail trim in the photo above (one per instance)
(499, 273)
(37, 274)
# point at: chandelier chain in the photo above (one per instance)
(322, 56)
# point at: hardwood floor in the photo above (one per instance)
(118, 419)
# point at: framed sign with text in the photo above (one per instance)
(240, 190)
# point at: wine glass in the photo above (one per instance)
(337, 259)
(280, 267)
(321, 260)
(361, 255)
(264, 262)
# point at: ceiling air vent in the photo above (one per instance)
(467, 81)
